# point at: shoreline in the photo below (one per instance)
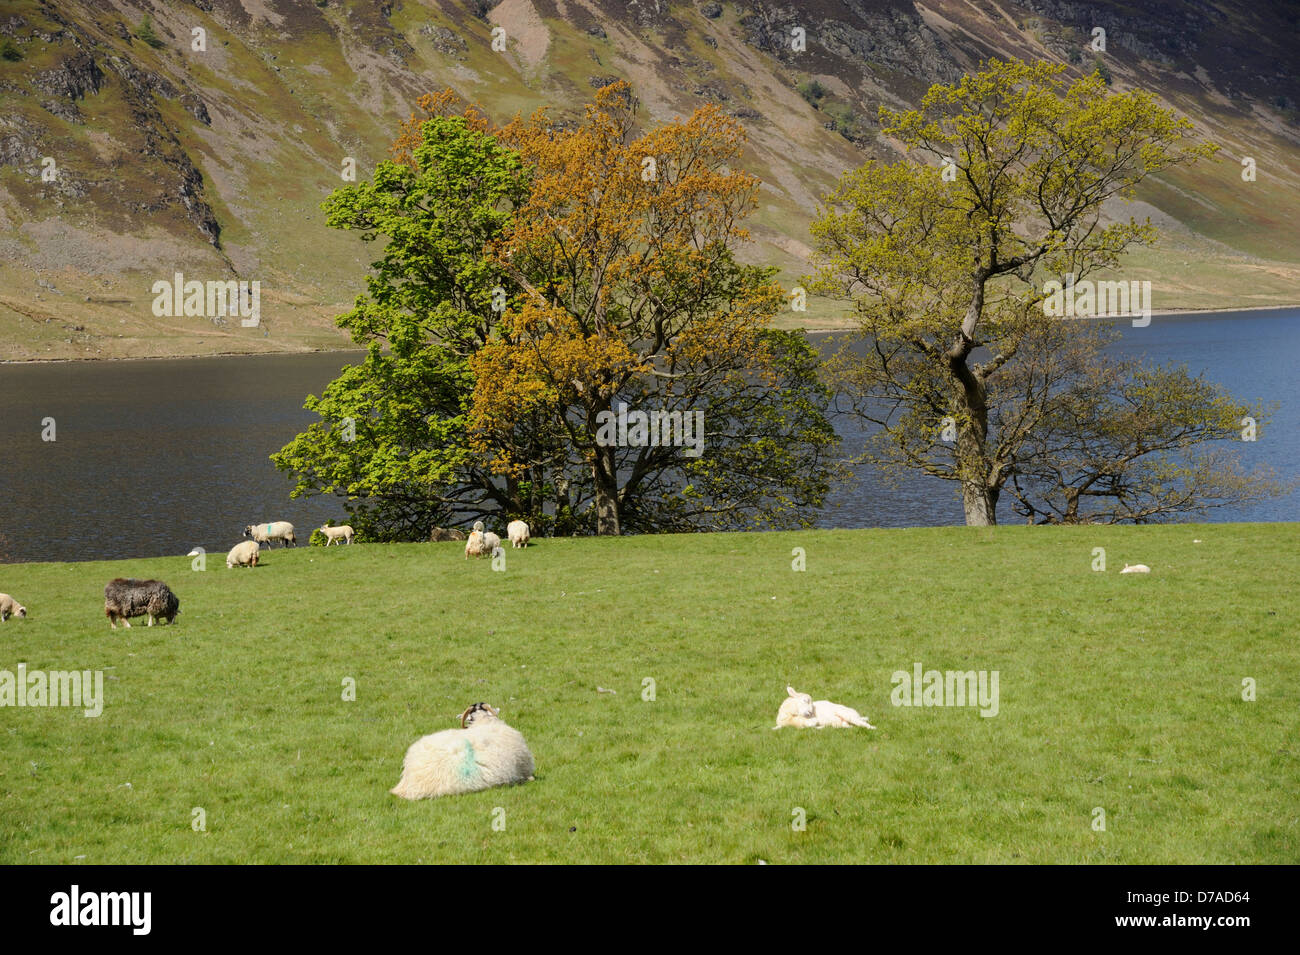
(1176, 313)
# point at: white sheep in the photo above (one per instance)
(517, 531)
(243, 554)
(10, 608)
(481, 543)
(281, 531)
(1136, 569)
(474, 545)
(483, 753)
(799, 710)
(343, 532)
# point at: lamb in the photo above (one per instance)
(243, 554)
(481, 543)
(1136, 569)
(10, 608)
(124, 598)
(443, 534)
(483, 753)
(517, 531)
(800, 711)
(343, 532)
(281, 531)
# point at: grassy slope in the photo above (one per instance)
(1118, 692)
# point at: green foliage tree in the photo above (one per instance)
(946, 260)
(428, 306)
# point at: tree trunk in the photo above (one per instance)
(980, 503)
(979, 500)
(606, 482)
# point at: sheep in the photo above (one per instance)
(1136, 569)
(800, 711)
(281, 531)
(474, 546)
(10, 608)
(124, 598)
(243, 554)
(343, 532)
(443, 534)
(481, 543)
(517, 531)
(483, 753)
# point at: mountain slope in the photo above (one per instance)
(213, 162)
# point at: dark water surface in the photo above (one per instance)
(157, 457)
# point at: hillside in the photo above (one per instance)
(1119, 693)
(213, 163)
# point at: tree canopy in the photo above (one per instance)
(1010, 181)
(537, 282)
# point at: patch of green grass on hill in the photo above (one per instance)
(1118, 692)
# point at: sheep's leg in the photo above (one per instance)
(126, 623)
(150, 623)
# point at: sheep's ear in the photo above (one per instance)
(791, 690)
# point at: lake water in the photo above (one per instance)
(157, 457)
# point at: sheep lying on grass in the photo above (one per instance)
(281, 531)
(483, 753)
(1136, 569)
(517, 531)
(125, 597)
(800, 711)
(243, 554)
(343, 532)
(10, 608)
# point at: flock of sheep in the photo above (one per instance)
(484, 751)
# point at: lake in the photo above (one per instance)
(156, 457)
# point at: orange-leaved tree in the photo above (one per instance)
(634, 335)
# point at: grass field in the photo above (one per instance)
(1122, 693)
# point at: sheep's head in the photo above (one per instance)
(248, 530)
(804, 708)
(478, 713)
(478, 526)
(20, 611)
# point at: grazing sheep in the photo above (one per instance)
(481, 544)
(124, 598)
(243, 554)
(517, 531)
(343, 532)
(800, 711)
(444, 534)
(10, 608)
(483, 753)
(474, 546)
(1136, 569)
(281, 531)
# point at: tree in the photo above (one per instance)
(531, 284)
(635, 304)
(392, 440)
(1117, 440)
(947, 260)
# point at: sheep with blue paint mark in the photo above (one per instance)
(484, 752)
